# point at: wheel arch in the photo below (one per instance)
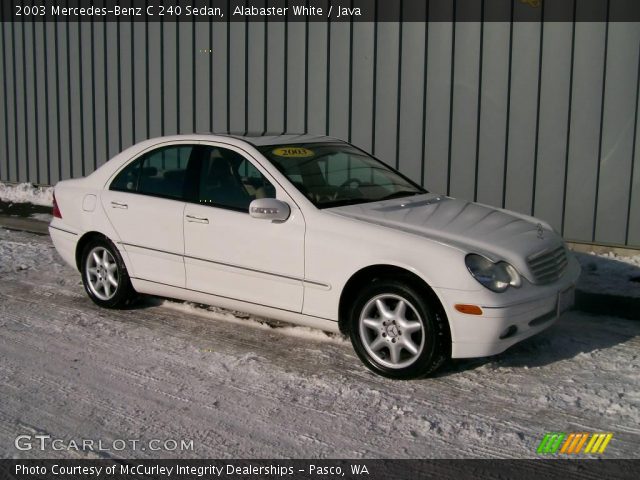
(373, 273)
(82, 243)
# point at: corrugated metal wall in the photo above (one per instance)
(537, 117)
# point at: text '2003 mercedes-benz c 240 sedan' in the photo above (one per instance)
(314, 231)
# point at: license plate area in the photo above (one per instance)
(566, 300)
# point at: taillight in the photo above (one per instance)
(56, 210)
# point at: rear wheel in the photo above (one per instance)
(398, 331)
(104, 275)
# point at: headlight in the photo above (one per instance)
(495, 276)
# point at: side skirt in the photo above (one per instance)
(153, 288)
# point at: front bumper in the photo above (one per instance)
(521, 314)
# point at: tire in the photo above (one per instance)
(104, 275)
(399, 342)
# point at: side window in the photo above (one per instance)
(127, 179)
(254, 182)
(229, 180)
(161, 173)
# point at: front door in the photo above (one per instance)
(231, 254)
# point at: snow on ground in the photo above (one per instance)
(26, 193)
(41, 217)
(609, 273)
(21, 251)
(244, 319)
(240, 388)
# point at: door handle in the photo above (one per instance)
(194, 219)
(119, 205)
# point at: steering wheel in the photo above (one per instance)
(349, 181)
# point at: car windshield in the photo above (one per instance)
(337, 174)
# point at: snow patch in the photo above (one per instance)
(42, 217)
(609, 273)
(255, 322)
(18, 255)
(26, 193)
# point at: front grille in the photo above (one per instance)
(547, 266)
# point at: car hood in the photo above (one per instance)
(496, 233)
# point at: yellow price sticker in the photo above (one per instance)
(293, 152)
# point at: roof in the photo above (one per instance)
(258, 139)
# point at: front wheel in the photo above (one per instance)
(398, 331)
(104, 275)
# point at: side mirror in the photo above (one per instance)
(269, 209)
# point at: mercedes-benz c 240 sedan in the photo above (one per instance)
(314, 231)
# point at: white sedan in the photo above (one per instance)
(314, 231)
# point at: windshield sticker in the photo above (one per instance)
(293, 152)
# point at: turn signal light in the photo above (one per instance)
(468, 309)
(56, 209)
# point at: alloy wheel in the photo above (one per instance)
(392, 331)
(102, 273)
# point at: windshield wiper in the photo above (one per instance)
(401, 193)
(355, 201)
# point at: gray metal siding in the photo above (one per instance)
(520, 159)
(411, 100)
(256, 78)
(237, 79)
(386, 99)
(101, 131)
(552, 124)
(438, 107)
(275, 54)
(4, 121)
(618, 122)
(465, 106)
(494, 103)
(584, 138)
(296, 85)
(317, 77)
(20, 103)
(538, 117)
(362, 85)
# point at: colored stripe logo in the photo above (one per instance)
(574, 443)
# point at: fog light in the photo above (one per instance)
(509, 332)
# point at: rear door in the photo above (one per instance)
(145, 204)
